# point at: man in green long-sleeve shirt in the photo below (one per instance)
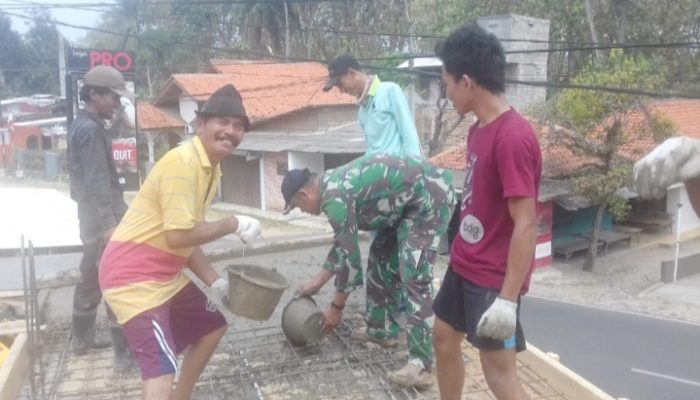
(408, 203)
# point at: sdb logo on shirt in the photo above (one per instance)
(471, 229)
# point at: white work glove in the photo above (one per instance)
(248, 228)
(498, 322)
(220, 289)
(675, 160)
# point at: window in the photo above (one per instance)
(282, 168)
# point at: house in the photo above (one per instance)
(37, 122)
(294, 124)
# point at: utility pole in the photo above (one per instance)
(61, 67)
(286, 35)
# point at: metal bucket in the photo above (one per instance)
(254, 292)
(301, 321)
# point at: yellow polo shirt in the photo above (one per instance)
(138, 270)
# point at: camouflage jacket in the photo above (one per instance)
(373, 192)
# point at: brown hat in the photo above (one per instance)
(225, 102)
(110, 78)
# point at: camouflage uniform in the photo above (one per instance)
(409, 203)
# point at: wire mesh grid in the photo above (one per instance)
(261, 364)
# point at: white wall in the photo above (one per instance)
(312, 161)
(187, 108)
(689, 220)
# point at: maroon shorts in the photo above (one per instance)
(158, 335)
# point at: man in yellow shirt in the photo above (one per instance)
(160, 310)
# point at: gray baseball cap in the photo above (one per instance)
(110, 78)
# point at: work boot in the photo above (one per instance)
(84, 337)
(411, 375)
(82, 343)
(122, 361)
(361, 335)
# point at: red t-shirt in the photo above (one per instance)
(503, 160)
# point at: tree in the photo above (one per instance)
(266, 26)
(41, 50)
(596, 126)
(13, 57)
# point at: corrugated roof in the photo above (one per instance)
(343, 140)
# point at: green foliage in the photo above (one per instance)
(662, 127)
(13, 58)
(583, 110)
(604, 188)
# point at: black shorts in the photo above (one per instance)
(461, 304)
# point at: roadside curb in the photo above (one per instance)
(270, 247)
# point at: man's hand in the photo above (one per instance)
(248, 228)
(108, 234)
(331, 319)
(220, 289)
(675, 160)
(498, 322)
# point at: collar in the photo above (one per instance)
(371, 88)
(200, 153)
(92, 116)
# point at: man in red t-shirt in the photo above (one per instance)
(491, 258)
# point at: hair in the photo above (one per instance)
(311, 180)
(476, 53)
(85, 92)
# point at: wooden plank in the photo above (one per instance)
(14, 369)
(560, 377)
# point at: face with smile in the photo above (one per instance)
(220, 136)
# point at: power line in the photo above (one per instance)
(583, 46)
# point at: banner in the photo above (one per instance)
(121, 128)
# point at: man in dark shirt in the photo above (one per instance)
(94, 185)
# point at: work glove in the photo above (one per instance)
(220, 289)
(248, 228)
(498, 322)
(675, 160)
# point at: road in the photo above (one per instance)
(627, 355)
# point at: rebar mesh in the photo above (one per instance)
(261, 364)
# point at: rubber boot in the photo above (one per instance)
(84, 335)
(122, 362)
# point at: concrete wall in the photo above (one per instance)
(312, 161)
(187, 108)
(689, 220)
(522, 66)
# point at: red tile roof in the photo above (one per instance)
(559, 159)
(268, 90)
(152, 118)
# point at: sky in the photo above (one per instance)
(67, 15)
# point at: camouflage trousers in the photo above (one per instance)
(400, 275)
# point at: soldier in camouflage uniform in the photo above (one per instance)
(409, 203)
